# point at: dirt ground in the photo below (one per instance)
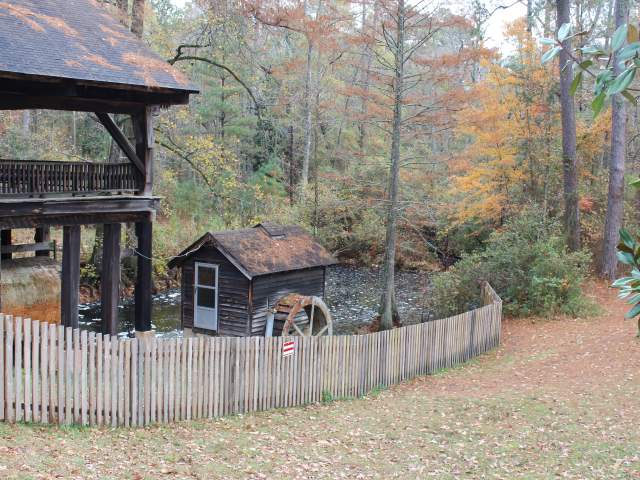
(559, 399)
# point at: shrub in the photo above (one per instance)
(526, 263)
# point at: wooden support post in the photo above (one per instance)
(43, 234)
(5, 239)
(143, 280)
(110, 281)
(143, 131)
(70, 275)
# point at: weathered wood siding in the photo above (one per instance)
(268, 289)
(233, 293)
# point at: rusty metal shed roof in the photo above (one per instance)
(264, 249)
(79, 40)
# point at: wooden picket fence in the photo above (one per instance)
(52, 374)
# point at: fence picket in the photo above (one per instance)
(10, 414)
(56, 375)
(206, 377)
(189, 379)
(216, 381)
(153, 382)
(17, 372)
(26, 348)
(146, 376)
(100, 380)
(178, 380)
(92, 379)
(113, 371)
(84, 381)
(44, 370)
(127, 384)
(67, 346)
(169, 380)
(76, 366)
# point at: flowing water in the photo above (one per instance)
(352, 295)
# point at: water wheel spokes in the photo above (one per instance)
(303, 315)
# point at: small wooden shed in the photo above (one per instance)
(231, 279)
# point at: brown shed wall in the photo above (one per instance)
(233, 293)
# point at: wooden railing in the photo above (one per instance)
(38, 178)
(53, 374)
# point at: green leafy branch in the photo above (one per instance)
(599, 64)
(629, 254)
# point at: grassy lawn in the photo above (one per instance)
(560, 399)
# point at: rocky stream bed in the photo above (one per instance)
(352, 295)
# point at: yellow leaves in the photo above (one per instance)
(503, 127)
(592, 136)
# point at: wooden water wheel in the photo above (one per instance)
(302, 315)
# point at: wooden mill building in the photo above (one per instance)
(230, 279)
(73, 55)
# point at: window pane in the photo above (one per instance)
(206, 276)
(206, 297)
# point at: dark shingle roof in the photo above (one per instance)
(264, 249)
(80, 40)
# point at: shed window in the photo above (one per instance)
(206, 297)
(206, 275)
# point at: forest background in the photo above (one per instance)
(391, 131)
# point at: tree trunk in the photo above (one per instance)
(308, 103)
(569, 157)
(609, 23)
(223, 115)
(367, 56)
(306, 155)
(615, 197)
(388, 309)
(546, 23)
(137, 17)
(292, 175)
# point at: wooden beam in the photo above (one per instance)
(121, 140)
(143, 279)
(5, 240)
(143, 131)
(70, 284)
(110, 279)
(26, 247)
(74, 207)
(87, 219)
(43, 234)
(19, 102)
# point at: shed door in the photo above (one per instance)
(206, 296)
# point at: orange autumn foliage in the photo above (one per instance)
(509, 132)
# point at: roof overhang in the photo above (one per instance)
(206, 239)
(20, 92)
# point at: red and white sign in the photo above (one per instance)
(288, 348)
